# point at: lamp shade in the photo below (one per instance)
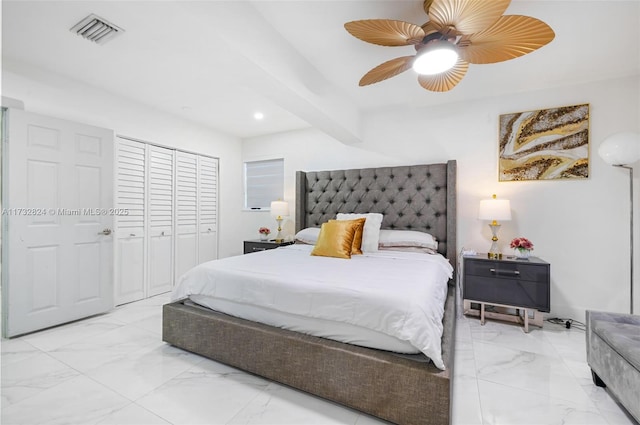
(620, 149)
(495, 209)
(279, 208)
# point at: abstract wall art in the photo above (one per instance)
(548, 144)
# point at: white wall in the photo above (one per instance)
(581, 227)
(49, 94)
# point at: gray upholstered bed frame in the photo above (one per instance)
(393, 387)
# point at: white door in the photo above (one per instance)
(57, 246)
(207, 208)
(186, 212)
(130, 194)
(160, 233)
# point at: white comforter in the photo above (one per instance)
(401, 294)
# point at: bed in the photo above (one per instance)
(401, 388)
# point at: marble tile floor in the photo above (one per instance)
(114, 369)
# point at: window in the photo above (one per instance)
(263, 183)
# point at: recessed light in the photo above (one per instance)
(258, 115)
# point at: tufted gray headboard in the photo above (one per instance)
(414, 197)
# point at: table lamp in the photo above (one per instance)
(493, 210)
(278, 209)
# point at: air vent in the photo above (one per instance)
(96, 29)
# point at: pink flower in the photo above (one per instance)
(264, 230)
(521, 243)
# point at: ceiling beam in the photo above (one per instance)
(265, 62)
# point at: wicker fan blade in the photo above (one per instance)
(466, 16)
(387, 70)
(510, 37)
(385, 32)
(429, 28)
(426, 4)
(444, 81)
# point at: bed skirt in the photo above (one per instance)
(376, 382)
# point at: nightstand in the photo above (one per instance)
(260, 245)
(508, 283)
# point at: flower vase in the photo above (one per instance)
(264, 237)
(522, 253)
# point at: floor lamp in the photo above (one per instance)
(622, 150)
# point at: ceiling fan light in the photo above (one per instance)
(437, 57)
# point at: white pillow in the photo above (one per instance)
(389, 238)
(371, 231)
(408, 249)
(308, 236)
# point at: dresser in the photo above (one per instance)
(506, 284)
(260, 245)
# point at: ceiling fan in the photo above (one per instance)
(458, 33)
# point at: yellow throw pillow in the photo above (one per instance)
(336, 239)
(356, 246)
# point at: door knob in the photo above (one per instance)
(105, 232)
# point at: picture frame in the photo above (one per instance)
(545, 144)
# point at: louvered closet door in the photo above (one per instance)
(186, 254)
(207, 208)
(130, 195)
(160, 219)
